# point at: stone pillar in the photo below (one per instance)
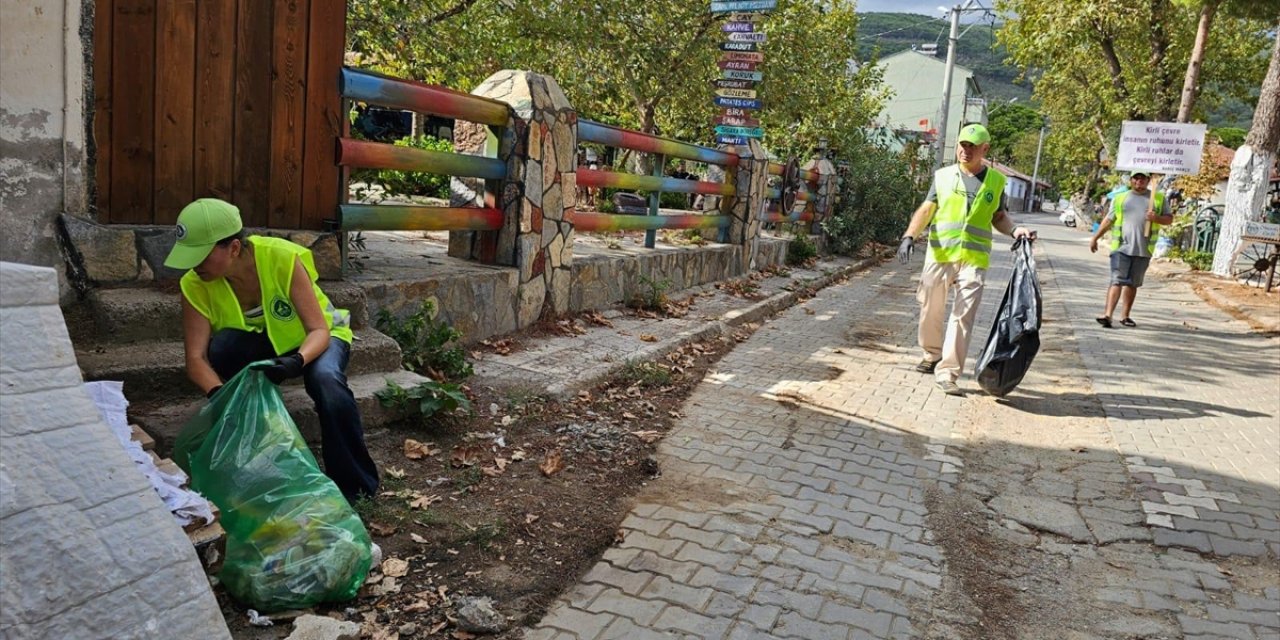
(539, 193)
(824, 199)
(750, 178)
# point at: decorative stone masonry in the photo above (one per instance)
(750, 178)
(828, 185)
(98, 254)
(540, 189)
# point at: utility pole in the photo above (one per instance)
(1035, 173)
(946, 87)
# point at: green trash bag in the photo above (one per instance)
(292, 539)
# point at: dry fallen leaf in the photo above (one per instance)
(501, 463)
(553, 463)
(395, 472)
(647, 437)
(530, 518)
(417, 538)
(422, 502)
(648, 338)
(518, 455)
(382, 530)
(415, 450)
(384, 633)
(395, 567)
(436, 629)
(467, 455)
(619, 536)
(492, 472)
(627, 415)
(463, 635)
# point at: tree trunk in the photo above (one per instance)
(1251, 167)
(1190, 84)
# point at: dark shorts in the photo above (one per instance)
(1127, 270)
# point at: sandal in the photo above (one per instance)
(1128, 323)
(1104, 321)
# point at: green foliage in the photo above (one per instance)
(653, 294)
(1230, 137)
(414, 183)
(1197, 260)
(427, 345)
(427, 398)
(878, 194)
(801, 249)
(644, 374)
(1100, 62)
(1008, 124)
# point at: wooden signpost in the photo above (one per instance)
(736, 91)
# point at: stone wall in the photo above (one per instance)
(86, 545)
(43, 166)
(117, 254)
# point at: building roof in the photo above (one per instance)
(1014, 173)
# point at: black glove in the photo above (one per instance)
(905, 248)
(281, 368)
(212, 392)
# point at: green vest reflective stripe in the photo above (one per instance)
(960, 233)
(1117, 234)
(274, 258)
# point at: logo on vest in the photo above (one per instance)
(990, 197)
(281, 309)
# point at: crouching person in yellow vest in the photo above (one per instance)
(1134, 221)
(246, 299)
(965, 202)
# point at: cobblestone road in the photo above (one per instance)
(817, 486)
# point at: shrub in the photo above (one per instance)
(878, 193)
(801, 249)
(427, 398)
(427, 345)
(653, 295)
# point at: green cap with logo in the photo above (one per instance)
(201, 225)
(975, 133)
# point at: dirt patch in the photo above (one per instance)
(1253, 305)
(485, 509)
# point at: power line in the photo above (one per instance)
(877, 35)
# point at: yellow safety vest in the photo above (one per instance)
(961, 233)
(275, 259)
(1117, 233)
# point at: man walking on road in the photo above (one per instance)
(1134, 222)
(965, 202)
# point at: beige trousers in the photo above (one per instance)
(946, 340)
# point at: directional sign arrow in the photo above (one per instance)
(735, 112)
(726, 6)
(742, 140)
(730, 74)
(748, 56)
(739, 46)
(736, 93)
(750, 132)
(747, 37)
(739, 103)
(734, 27)
(734, 121)
(734, 84)
(738, 65)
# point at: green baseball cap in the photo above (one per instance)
(975, 133)
(201, 225)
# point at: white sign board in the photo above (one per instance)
(1161, 147)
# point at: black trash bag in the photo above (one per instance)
(1015, 336)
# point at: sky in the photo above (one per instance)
(922, 7)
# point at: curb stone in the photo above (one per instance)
(711, 329)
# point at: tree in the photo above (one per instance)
(1251, 168)
(1007, 124)
(1208, 9)
(1105, 61)
(1230, 137)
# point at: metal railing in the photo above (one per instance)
(395, 93)
(655, 184)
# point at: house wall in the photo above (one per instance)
(42, 125)
(916, 80)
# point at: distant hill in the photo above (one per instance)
(894, 32)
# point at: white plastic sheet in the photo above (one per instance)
(187, 506)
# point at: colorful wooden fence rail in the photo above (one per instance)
(803, 209)
(662, 148)
(395, 93)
